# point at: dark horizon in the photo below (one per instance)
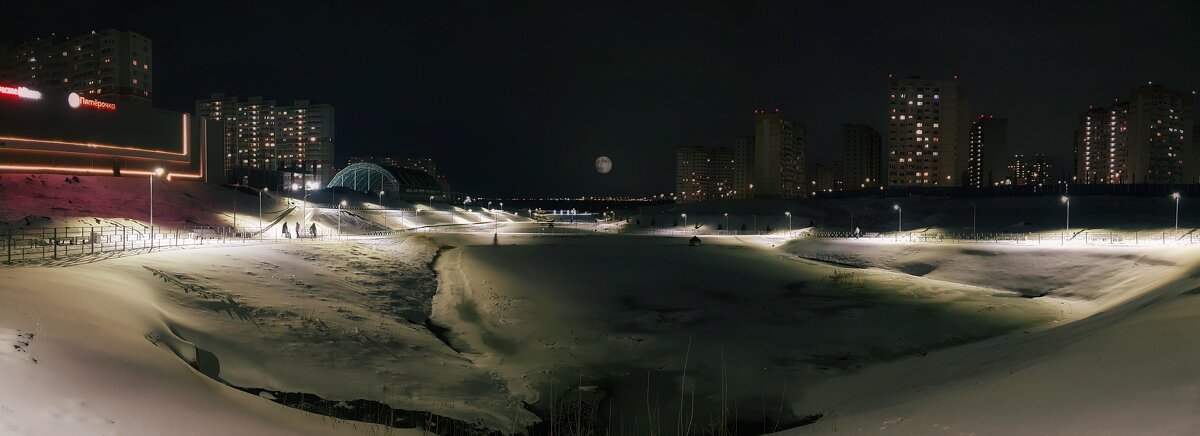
(519, 100)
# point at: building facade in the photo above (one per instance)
(863, 156)
(743, 166)
(1036, 169)
(261, 134)
(1101, 145)
(779, 157)
(927, 132)
(410, 162)
(987, 158)
(703, 173)
(1144, 139)
(108, 65)
(1161, 123)
(305, 134)
(57, 132)
(825, 177)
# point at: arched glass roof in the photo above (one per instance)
(371, 178)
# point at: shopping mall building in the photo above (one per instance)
(70, 133)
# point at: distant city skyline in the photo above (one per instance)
(518, 94)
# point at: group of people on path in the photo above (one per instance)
(312, 231)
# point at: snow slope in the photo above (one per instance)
(76, 357)
(1128, 365)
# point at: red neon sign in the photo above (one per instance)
(20, 92)
(76, 101)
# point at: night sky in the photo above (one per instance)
(519, 98)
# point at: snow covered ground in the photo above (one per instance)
(1129, 365)
(85, 351)
(570, 329)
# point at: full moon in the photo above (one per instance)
(603, 164)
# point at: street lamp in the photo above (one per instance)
(304, 204)
(726, 221)
(381, 199)
(789, 215)
(260, 222)
(900, 222)
(684, 219)
(340, 205)
(157, 172)
(1067, 200)
(1176, 197)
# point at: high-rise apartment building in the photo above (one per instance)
(107, 65)
(824, 177)
(305, 134)
(1161, 123)
(779, 157)
(1142, 140)
(703, 173)
(1036, 170)
(410, 162)
(743, 168)
(1101, 145)
(262, 134)
(988, 151)
(862, 165)
(927, 132)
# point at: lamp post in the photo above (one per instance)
(343, 203)
(303, 201)
(260, 222)
(380, 199)
(1067, 200)
(789, 215)
(973, 214)
(1176, 197)
(303, 205)
(684, 219)
(157, 172)
(726, 221)
(900, 221)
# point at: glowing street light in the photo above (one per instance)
(900, 214)
(789, 215)
(158, 172)
(340, 205)
(684, 219)
(260, 222)
(726, 221)
(380, 198)
(1067, 200)
(1176, 197)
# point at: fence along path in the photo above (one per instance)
(58, 242)
(1079, 237)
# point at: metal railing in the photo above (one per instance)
(1082, 237)
(51, 243)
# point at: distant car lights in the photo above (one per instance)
(20, 92)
